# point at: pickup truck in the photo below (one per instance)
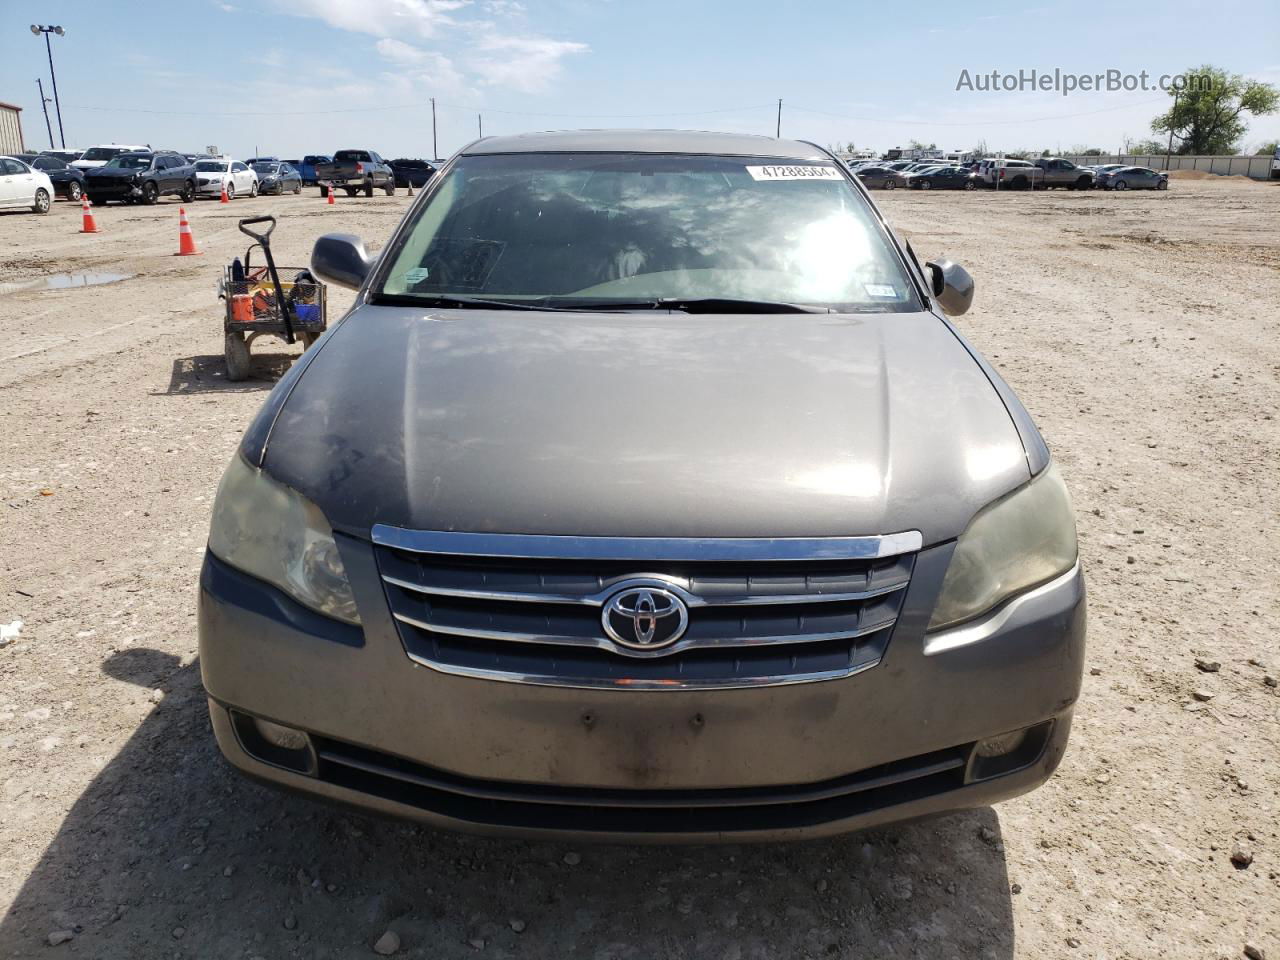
(354, 170)
(1038, 174)
(306, 167)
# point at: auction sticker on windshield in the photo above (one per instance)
(794, 173)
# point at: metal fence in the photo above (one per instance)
(1259, 168)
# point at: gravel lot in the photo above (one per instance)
(1140, 329)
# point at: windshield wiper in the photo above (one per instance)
(458, 300)
(684, 304)
(578, 305)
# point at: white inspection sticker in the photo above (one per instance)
(780, 172)
(880, 291)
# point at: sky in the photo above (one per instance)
(292, 77)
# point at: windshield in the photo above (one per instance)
(349, 155)
(270, 169)
(600, 228)
(101, 153)
(130, 163)
(211, 166)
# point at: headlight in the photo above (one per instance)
(275, 534)
(1018, 542)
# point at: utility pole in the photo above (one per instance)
(1172, 113)
(480, 125)
(38, 29)
(778, 134)
(435, 147)
(44, 103)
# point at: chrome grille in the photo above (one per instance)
(529, 608)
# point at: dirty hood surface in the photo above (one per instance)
(646, 424)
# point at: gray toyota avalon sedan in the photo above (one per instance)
(646, 493)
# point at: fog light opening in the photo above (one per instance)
(1007, 752)
(286, 738)
(1001, 745)
(275, 743)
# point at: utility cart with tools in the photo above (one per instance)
(258, 302)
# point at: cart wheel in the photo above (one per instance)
(237, 353)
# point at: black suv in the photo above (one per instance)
(413, 173)
(142, 177)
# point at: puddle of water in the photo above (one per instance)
(62, 281)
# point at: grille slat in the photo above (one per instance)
(537, 619)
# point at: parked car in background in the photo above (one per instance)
(211, 174)
(434, 597)
(875, 177)
(103, 153)
(943, 178)
(413, 173)
(355, 170)
(278, 177)
(1006, 173)
(1055, 172)
(66, 156)
(253, 160)
(306, 167)
(142, 177)
(23, 186)
(67, 181)
(1133, 178)
(1101, 168)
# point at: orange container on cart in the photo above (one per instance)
(241, 308)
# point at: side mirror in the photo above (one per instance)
(340, 258)
(952, 286)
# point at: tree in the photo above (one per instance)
(917, 145)
(1268, 149)
(1208, 115)
(1079, 150)
(1148, 148)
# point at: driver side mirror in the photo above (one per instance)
(340, 258)
(951, 285)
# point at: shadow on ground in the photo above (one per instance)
(168, 853)
(208, 374)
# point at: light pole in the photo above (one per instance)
(44, 103)
(38, 29)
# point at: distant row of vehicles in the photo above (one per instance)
(1007, 173)
(138, 174)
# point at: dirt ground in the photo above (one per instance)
(1141, 330)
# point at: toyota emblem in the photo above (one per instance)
(645, 618)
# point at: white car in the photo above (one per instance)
(100, 155)
(212, 173)
(23, 186)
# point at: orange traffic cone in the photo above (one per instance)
(88, 226)
(225, 198)
(186, 242)
(331, 200)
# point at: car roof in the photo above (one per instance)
(646, 141)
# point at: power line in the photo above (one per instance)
(975, 123)
(410, 106)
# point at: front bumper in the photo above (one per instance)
(110, 190)
(811, 759)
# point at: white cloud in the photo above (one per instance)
(487, 41)
(420, 19)
(527, 63)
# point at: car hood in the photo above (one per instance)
(640, 425)
(111, 173)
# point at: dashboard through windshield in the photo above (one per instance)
(594, 229)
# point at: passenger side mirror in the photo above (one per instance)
(340, 258)
(952, 286)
